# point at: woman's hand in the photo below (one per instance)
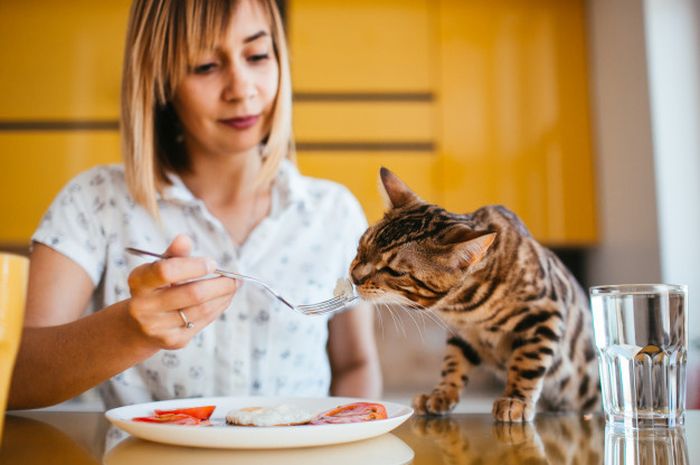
(161, 289)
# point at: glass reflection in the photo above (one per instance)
(383, 450)
(646, 447)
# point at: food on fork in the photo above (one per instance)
(343, 288)
(278, 415)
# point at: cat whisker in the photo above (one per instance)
(436, 318)
(420, 333)
(410, 306)
(397, 320)
(397, 303)
(379, 318)
(393, 316)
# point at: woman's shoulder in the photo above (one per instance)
(323, 190)
(333, 200)
(100, 176)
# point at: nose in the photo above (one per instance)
(239, 85)
(360, 274)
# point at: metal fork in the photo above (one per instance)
(321, 308)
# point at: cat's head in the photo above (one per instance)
(417, 252)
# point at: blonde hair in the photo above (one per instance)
(163, 38)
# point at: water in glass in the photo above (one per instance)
(641, 338)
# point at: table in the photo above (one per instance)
(82, 438)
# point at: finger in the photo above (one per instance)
(190, 294)
(163, 273)
(169, 329)
(181, 246)
(204, 314)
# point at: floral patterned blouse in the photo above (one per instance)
(257, 346)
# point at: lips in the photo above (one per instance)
(244, 122)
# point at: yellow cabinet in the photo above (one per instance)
(370, 45)
(36, 165)
(470, 101)
(364, 79)
(514, 111)
(61, 60)
(60, 102)
(494, 95)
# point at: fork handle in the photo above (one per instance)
(229, 274)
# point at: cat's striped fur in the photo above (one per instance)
(511, 303)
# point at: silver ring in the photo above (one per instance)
(188, 323)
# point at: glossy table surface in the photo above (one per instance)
(77, 438)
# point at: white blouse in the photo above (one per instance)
(257, 346)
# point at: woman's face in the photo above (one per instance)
(226, 99)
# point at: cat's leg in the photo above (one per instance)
(460, 358)
(527, 365)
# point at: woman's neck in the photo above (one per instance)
(223, 182)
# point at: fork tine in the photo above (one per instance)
(326, 303)
(327, 306)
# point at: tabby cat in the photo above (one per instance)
(511, 304)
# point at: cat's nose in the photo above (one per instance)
(360, 274)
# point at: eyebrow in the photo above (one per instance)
(255, 36)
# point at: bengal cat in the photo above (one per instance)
(511, 304)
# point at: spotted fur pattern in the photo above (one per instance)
(512, 305)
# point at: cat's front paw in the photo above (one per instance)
(437, 402)
(511, 409)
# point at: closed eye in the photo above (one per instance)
(259, 57)
(204, 68)
(392, 272)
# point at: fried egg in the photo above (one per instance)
(278, 415)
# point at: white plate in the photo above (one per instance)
(247, 437)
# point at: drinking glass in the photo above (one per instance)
(642, 343)
(14, 270)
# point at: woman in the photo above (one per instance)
(206, 124)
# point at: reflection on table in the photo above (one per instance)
(383, 450)
(44, 438)
(551, 439)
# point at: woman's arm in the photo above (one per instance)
(62, 355)
(353, 354)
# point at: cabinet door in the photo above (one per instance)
(363, 75)
(61, 59)
(514, 111)
(500, 95)
(361, 45)
(36, 165)
(60, 105)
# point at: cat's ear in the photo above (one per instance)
(465, 244)
(396, 194)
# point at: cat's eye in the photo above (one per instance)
(392, 272)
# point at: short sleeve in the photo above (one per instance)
(72, 224)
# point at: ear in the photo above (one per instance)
(467, 246)
(396, 194)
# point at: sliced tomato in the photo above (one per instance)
(202, 413)
(172, 418)
(352, 413)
